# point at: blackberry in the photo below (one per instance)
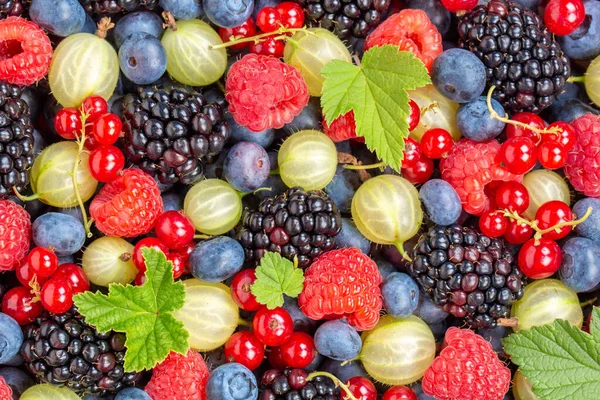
(468, 274)
(295, 223)
(346, 18)
(14, 8)
(117, 6)
(16, 140)
(291, 384)
(171, 133)
(522, 59)
(64, 350)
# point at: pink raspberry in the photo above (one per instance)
(342, 128)
(264, 92)
(5, 390)
(473, 169)
(15, 234)
(583, 164)
(179, 377)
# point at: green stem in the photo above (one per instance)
(588, 303)
(81, 144)
(274, 172)
(369, 166)
(400, 246)
(345, 388)
(243, 322)
(574, 79)
(202, 237)
(34, 196)
(256, 38)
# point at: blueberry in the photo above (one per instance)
(182, 9)
(59, 17)
(343, 372)
(441, 201)
(139, 21)
(74, 212)
(39, 142)
(495, 336)
(241, 133)
(66, 260)
(172, 201)
(342, 187)
(132, 393)
(571, 91)
(11, 338)
(216, 259)
(385, 267)
(400, 295)
(228, 13)
(590, 228)
(275, 183)
(246, 167)
(338, 340)
(474, 120)
(309, 118)
(429, 312)
(89, 26)
(142, 58)
(435, 10)
(231, 381)
(584, 42)
(580, 268)
(459, 75)
(63, 232)
(349, 236)
(18, 380)
(301, 322)
(571, 110)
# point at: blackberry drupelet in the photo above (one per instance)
(16, 140)
(291, 384)
(117, 6)
(522, 58)
(467, 274)
(14, 8)
(172, 133)
(295, 223)
(346, 18)
(63, 350)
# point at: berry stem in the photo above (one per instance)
(508, 322)
(169, 21)
(81, 143)
(256, 38)
(431, 107)
(349, 395)
(34, 196)
(541, 232)
(369, 166)
(104, 26)
(400, 246)
(588, 302)
(202, 237)
(574, 79)
(243, 322)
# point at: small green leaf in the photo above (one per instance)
(143, 313)
(376, 92)
(276, 276)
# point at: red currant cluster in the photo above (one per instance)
(363, 389)
(269, 19)
(46, 285)
(102, 130)
(562, 17)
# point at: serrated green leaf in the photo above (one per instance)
(276, 276)
(561, 361)
(377, 93)
(143, 313)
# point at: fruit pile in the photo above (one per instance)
(299, 200)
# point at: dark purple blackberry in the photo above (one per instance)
(172, 133)
(63, 350)
(295, 223)
(346, 18)
(117, 6)
(291, 384)
(468, 274)
(14, 8)
(522, 59)
(16, 140)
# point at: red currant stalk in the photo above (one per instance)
(279, 34)
(348, 395)
(554, 228)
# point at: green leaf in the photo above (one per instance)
(377, 93)
(143, 313)
(276, 276)
(560, 360)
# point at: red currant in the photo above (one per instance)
(275, 358)
(74, 276)
(174, 229)
(517, 232)
(493, 224)
(552, 213)
(361, 388)
(90, 142)
(107, 129)
(179, 261)
(240, 290)
(153, 243)
(94, 107)
(140, 278)
(459, 5)
(245, 348)
(291, 14)
(185, 253)
(25, 275)
(57, 296)
(436, 142)
(67, 123)
(530, 119)
(21, 305)
(539, 259)
(415, 115)
(268, 19)
(399, 393)
(106, 162)
(552, 155)
(567, 136)
(268, 46)
(42, 262)
(244, 30)
(273, 327)
(512, 196)
(420, 172)
(562, 17)
(299, 350)
(412, 153)
(518, 155)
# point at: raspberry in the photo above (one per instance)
(179, 377)
(342, 128)
(582, 167)
(6, 392)
(473, 169)
(15, 234)
(466, 369)
(25, 51)
(343, 283)
(264, 92)
(410, 30)
(128, 206)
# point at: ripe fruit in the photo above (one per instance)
(106, 163)
(518, 155)
(361, 388)
(57, 296)
(107, 129)
(291, 14)
(436, 142)
(414, 117)
(151, 243)
(583, 154)
(244, 30)
(459, 5)
(412, 153)
(15, 235)
(245, 348)
(269, 47)
(299, 350)
(20, 304)
(174, 229)
(179, 377)
(528, 118)
(343, 128)
(74, 276)
(241, 292)
(552, 155)
(42, 262)
(268, 19)
(25, 276)
(420, 172)
(108, 260)
(213, 206)
(67, 123)
(94, 107)
(517, 232)
(566, 136)
(399, 393)
(553, 213)
(562, 17)
(493, 224)
(539, 259)
(544, 186)
(512, 196)
(273, 327)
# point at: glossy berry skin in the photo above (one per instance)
(539, 259)
(107, 129)
(275, 359)
(268, 19)
(493, 224)
(299, 350)
(420, 172)
(42, 262)
(552, 155)
(153, 243)
(244, 30)
(567, 136)
(436, 142)
(512, 196)
(241, 292)
(268, 47)
(94, 107)
(26, 276)
(412, 153)
(415, 115)
(552, 213)
(273, 327)
(174, 229)
(290, 14)
(179, 262)
(399, 393)
(562, 17)
(361, 388)
(245, 348)
(67, 123)
(518, 155)
(459, 5)
(106, 163)
(20, 304)
(74, 276)
(517, 232)
(56, 296)
(528, 118)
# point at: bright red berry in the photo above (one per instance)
(517, 232)
(553, 213)
(552, 155)
(244, 30)
(179, 377)
(106, 163)
(539, 259)
(174, 229)
(268, 19)
(42, 262)
(268, 46)
(25, 275)
(107, 129)
(179, 261)
(567, 136)
(582, 165)
(299, 350)
(185, 253)
(399, 393)
(67, 123)
(6, 391)
(149, 242)
(420, 172)
(140, 278)
(512, 196)
(414, 117)
(562, 17)
(459, 5)
(291, 14)
(273, 327)
(241, 292)
(75, 277)
(22, 305)
(530, 119)
(342, 128)
(94, 107)
(15, 235)
(412, 153)
(245, 348)
(361, 388)
(90, 142)
(436, 142)
(493, 224)
(519, 155)
(276, 359)
(57, 296)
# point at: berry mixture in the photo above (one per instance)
(299, 200)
